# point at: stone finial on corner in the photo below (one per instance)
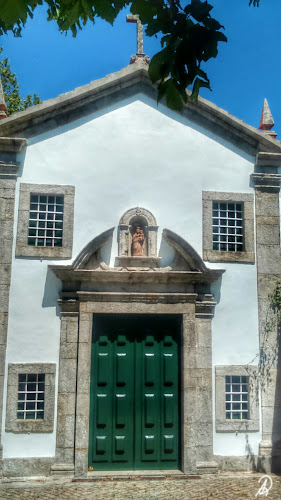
(140, 55)
(266, 121)
(2, 102)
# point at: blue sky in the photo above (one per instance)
(247, 69)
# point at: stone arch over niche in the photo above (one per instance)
(136, 220)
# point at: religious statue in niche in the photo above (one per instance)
(138, 242)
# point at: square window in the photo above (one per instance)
(45, 207)
(31, 393)
(224, 214)
(49, 208)
(236, 410)
(32, 408)
(233, 396)
(228, 219)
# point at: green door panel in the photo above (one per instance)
(134, 402)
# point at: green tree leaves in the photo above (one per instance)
(11, 88)
(189, 34)
(191, 37)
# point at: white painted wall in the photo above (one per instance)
(131, 154)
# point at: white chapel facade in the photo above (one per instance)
(139, 248)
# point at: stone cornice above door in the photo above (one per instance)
(187, 266)
(186, 280)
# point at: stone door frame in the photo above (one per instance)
(75, 365)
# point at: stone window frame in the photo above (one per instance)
(247, 199)
(249, 425)
(22, 247)
(46, 425)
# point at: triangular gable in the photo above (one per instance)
(115, 87)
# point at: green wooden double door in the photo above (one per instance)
(134, 404)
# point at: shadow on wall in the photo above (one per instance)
(254, 461)
(105, 251)
(276, 426)
(216, 291)
(167, 253)
(52, 289)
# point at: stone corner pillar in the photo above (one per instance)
(267, 187)
(197, 427)
(204, 310)
(66, 404)
(9, 167)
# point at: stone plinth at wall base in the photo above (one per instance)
(136, 262)
(238, 464)
(270, 457)
(27, 467)
(264, 464)
(207, 467)
(62, 470)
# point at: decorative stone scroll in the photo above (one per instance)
(137, 238)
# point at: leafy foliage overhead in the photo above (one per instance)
(11, 88)
(189, 34)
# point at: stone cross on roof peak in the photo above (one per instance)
(134, 18)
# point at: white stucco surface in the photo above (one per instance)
(128, 155)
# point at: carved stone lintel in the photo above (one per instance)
(152, 298)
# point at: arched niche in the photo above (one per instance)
(137, 222)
